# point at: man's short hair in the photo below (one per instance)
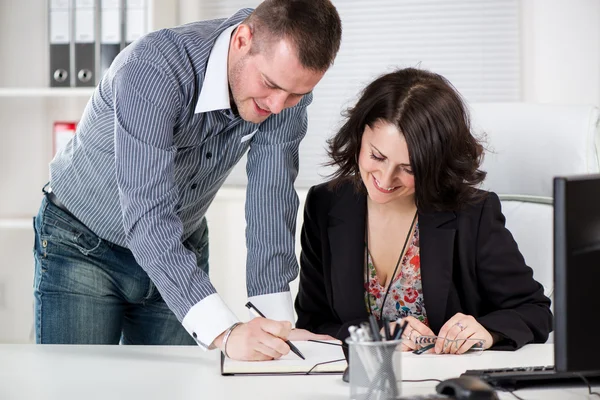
(313, 27)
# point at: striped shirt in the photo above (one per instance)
(154, 145)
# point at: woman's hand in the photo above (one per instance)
(414, 329)
(462, 326)
(303, 335)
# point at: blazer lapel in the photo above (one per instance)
(346, 231)
(437, 252)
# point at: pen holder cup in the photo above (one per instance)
(375, 369)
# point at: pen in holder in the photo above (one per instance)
(375, 369)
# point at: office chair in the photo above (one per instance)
(527, 145)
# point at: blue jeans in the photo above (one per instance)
(90, 291)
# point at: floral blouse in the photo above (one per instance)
(406, 291)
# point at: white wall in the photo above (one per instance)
(16, 285)
(226, 224)
(561, 51)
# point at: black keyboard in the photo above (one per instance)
(524, 377)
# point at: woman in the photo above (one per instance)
(403, 231)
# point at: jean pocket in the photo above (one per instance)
(57, 229)
(39, 252)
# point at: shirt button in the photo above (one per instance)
(194, 186)
(194, 335)
(208, 155)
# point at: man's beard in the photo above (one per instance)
(235, 83)
(233, 104)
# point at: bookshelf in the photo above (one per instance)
(45, 92)
(16, 223)
(29, 106)
(28, 109)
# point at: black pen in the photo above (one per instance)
(424, 349)
(257, 312)
(386, 328)
(399, 330)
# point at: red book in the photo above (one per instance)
(61, 134)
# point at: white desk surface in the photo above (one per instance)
(144, 372)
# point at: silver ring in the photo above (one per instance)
(461, 326)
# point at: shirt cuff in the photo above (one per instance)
(275, 306)
(207, 319)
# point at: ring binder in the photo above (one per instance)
(59, 17)
(135, 20)
(85, 46)
(110, 33)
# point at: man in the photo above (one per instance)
(121, 243)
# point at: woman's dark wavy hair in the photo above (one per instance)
(429, 112)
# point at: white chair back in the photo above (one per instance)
(528, 145)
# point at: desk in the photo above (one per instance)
(143, 372)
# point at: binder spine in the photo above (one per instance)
(85, 43)
(59, 24)
(136, 20)
(111, 34)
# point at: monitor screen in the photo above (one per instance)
(577, 273)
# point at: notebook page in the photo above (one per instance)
(314, 353)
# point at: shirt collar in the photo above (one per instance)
(214, 94)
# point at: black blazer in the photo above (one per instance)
(470, 263)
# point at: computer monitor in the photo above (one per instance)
(577, 273)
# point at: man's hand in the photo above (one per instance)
(258, 340)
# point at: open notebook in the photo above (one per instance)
(322, 357)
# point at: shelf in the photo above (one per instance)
(46, 92)
(16, 223)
